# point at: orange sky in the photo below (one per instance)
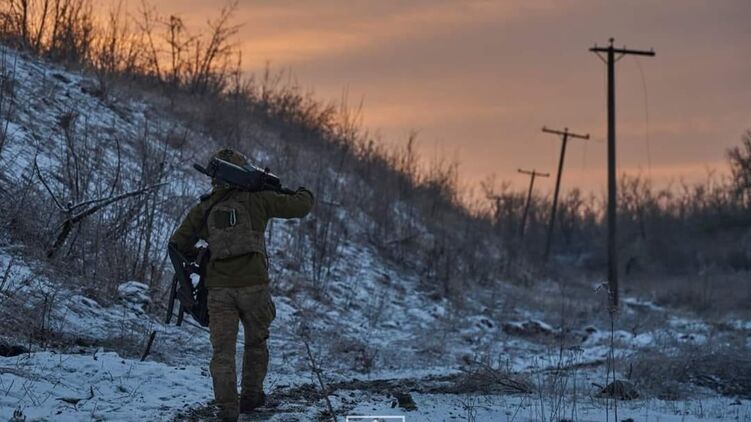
(478, 79)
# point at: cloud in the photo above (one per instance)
(291, 33)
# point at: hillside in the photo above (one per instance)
(388, 327)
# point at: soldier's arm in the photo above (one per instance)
(296, 205)
(187, 234)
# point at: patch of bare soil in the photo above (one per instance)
(291, 403)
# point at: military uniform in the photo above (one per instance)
(237, 280)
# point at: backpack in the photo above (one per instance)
(231, 231)
(231, 234)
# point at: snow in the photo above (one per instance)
(123, 389)
(43, 386)
(433, 407)
(637, 303)
(134, 293)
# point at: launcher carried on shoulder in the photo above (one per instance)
(192, 297)
(247, 177)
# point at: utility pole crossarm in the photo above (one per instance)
(597, 49)
(533, 173)
(565, 132)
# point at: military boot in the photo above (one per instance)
(251, 401)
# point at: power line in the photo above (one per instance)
(646, 116)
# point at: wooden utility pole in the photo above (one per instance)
(565, 135)
(532, 175)
(610, 59)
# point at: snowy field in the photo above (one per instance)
(102, 386)
(93, 384)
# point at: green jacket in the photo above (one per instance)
(245, 270)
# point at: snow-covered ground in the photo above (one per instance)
(92, 384)
(374, 332)
(101, 386)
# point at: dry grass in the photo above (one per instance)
(673, 373)
(710, 295)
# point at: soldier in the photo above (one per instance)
(233, 222)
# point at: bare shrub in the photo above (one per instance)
(740, 167)
(480, 377)
(164, 49)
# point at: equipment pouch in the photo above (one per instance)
(231, 231)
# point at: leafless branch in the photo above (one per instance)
(94, 206)
(47, 187)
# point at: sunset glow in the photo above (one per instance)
(478, 79)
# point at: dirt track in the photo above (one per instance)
(292, 404)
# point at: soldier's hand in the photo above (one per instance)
(304, 189)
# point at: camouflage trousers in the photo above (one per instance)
(227, 307)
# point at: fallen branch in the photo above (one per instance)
(94, 206)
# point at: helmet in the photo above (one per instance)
(230, 155)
